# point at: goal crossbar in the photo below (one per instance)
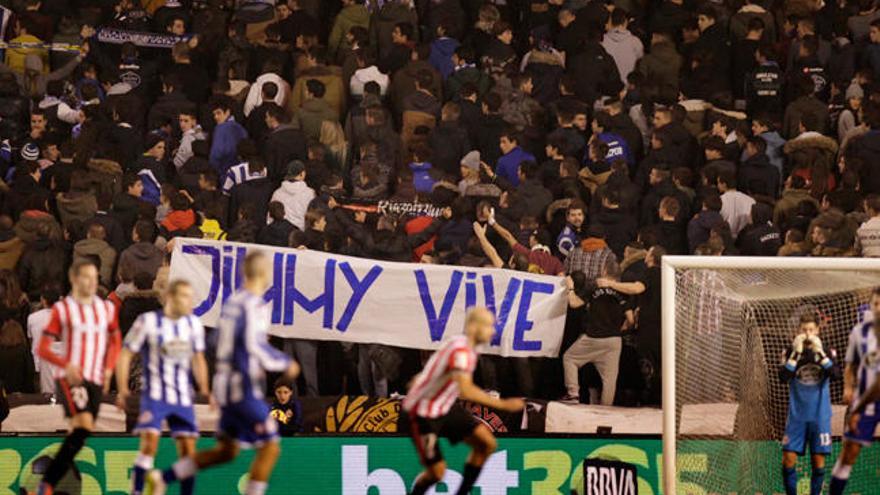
(669, 266)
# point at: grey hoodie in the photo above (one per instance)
(625, 48)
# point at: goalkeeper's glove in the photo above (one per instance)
(816, 345)
(797, 348)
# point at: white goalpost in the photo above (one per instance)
(725, 323)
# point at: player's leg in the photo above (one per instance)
(81, 406)
(852, 446)
(186, 449)
(817, 478)
(430, 456)
(482, 444)
(789, 472)
(820, 447)
(262, 467)
(793, 445)
(144, 461)
(845, 461)
(81, 426)
(429, 477)
(224, 451)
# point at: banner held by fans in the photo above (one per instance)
(323, 296)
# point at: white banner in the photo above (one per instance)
(323, 296)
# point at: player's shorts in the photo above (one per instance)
(867, 427)
(248, 422)
(181, 419)
(455, 426)
(800, 434)
(83, 398)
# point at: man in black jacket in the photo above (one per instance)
(756, 175)
(761, 237)
(449, 141)
(128, 203)
(170, 104)
(594, 68)
(662, 186)
(671, 232)
(713, 41)
(283, 143)
(491, 128)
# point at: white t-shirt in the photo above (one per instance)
(36, 323)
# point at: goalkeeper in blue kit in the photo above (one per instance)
(808, 369)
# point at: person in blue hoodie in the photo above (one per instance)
(421, 169)
(227, 134)
(512, 155)
(442, 50)
(617, 145)
(152, 192)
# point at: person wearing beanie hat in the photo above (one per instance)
(849, 116)
(30, 152)
(153, 158)
(294, 194)
(470, 172)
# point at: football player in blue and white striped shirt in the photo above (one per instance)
(243, 357)
(171, 343)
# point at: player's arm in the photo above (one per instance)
(270, 358)
(869, 397)
(793, 356)
(826, 358)
(114, 347)
(849, 382)
(51, 334)
(200, 372)
(123, 365)
(470, 392)
(133, 343)
(199, 364)
(850, 372)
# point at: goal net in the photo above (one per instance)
(725, 406)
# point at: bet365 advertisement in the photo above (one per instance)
(388, 466)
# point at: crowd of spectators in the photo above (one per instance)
(573, 138)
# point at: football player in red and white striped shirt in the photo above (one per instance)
(87, 328)
(432, 409)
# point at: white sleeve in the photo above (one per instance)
(251, 101)
(852, 347)
(198, 334)
(67, 114)
(136, 336)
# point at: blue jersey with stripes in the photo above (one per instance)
(239, 174)
(243, 351)
(166, 347)
(863, 353)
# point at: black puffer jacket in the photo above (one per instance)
(276, 233)
(43, 262)
(595, 72)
